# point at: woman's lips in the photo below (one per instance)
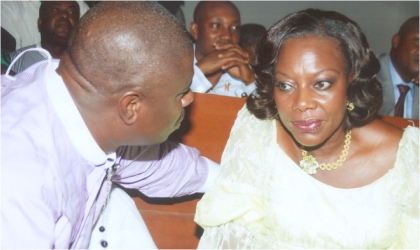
(307, 125)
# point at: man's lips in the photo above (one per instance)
(308, 125)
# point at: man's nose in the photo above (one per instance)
(226, 35)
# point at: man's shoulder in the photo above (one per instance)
(384, 74)
(15, 53)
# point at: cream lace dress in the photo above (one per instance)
(262, 199)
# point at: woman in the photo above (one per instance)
(307, 164)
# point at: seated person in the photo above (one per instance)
(19, 18)
(84, 124)
(308, 164)
(251, 34)
(399, 73)
(55, 22)
(221, 65)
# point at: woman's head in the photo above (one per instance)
(360, 65)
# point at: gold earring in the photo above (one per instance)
(350, 106)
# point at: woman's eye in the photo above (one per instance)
(215, 25)
(283, 86)
(323, 85)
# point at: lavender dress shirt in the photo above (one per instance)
(53, 172)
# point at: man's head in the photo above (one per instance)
(56, 20)
(405, 50)
(128, 67)
(214, 22)
(251, 34)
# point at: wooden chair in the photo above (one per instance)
(206, 126)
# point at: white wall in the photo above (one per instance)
(379, 20)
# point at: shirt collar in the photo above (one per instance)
(395, 77)
(72, 120)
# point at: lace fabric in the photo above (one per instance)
(262, 199)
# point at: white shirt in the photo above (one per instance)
(227, 85)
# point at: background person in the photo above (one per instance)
(19, 18)
(93, 124)
(55, 23)
(221, 65)
(251, 34)
(399, 72)
(307, 165)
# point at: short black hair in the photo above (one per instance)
(202, 7)
(410, 25)
(251, 34)
(365, 91)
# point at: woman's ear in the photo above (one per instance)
(129, 106)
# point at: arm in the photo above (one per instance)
(26, 219)
(229, 57)
(165, 170)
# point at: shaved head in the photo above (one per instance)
(121, 45)
(206, 6)
(409, 26)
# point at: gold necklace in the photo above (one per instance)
(310, 165)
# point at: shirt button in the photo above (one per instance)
(104, 244)
(101, 229)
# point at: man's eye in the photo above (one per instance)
(283, 86)
(323, 85)
(235, 27)
(215, 25)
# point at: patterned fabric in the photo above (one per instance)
(262, 199)
(28, 59)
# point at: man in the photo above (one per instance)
(399, 73)
(69, 132)
(19, 18)
(55, 22)
(221, 65)
(251, 34)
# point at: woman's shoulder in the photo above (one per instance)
(380, 131)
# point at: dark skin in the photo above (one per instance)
(55, 25)
(216, 33)
(405, 53)
(312, 87)
(136, 116)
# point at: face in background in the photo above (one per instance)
(310, 92)
(57, 20)
(163, 110)
(405, 54)
(218, 23)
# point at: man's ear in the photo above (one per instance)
(395, 41)
(194, 30)
(39, 24)
(129, 106)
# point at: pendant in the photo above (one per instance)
(309, 164)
